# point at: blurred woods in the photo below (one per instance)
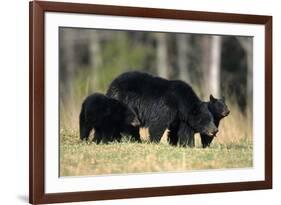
(90, 59)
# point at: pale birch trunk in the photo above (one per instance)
(183, 50)
(95, 57)
(215, 62)
(211, 46)
(162, 56)
(69, 60)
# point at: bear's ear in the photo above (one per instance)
(223, 98)
(212, 98)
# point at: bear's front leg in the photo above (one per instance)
(185, 135)
(206, 140)
(173, 137)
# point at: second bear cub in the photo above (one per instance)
(108, 117)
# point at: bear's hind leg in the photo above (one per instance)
(85, 132)
(98, 136)
(84, 128)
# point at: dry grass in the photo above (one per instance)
(69, 113)
(80, 158)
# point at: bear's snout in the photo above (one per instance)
(216, 130)
(213, 132)
(226, 113)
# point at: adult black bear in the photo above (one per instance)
(161, 104)
(108, 117)
(219, 110)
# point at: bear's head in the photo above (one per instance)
(201, 120)
(218, 107)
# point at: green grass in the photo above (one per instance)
(80, 158)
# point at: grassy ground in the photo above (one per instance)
(232, 148)
(80, 158)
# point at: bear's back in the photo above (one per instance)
(139, 83)
(183, 90)
(149, 88)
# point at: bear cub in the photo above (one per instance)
(108, 117)
(219, 110)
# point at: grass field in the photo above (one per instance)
(80, 158)
(232, 148)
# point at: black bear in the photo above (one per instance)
(161, 104)
(108, 117)
(219, 110)
(181, 134)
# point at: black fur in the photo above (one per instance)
(180, 133)
(108, 117)
(219, 110)
(162, 104)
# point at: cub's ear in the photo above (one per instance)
(223, 98)
(212, 98)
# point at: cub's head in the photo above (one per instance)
(218, 107)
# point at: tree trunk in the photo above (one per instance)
(95, 56)
(183, 50)
(205, 46)
(162, 60)
(215, 66)
(211, 46)
(247, 45)
(69, 60)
